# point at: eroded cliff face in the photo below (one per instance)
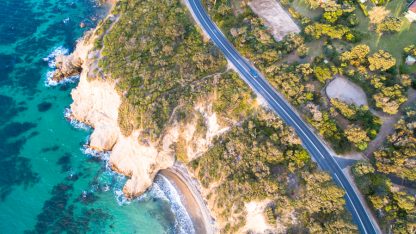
(96, 103)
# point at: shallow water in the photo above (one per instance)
(48, 181)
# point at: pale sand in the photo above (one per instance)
(256, 221)
(276, 18)
(346, 91)
(191, 199)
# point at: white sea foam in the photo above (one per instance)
(49, 82)
(120, 198)
(60, 50)
(51, 59)
(103, 155)
(163, 189)
(75, 123)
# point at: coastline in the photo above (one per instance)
(96, 103)
(191, 198)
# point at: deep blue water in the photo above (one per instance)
(47, 181)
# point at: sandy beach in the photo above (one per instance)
(191, 199)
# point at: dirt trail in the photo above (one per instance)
(388, 124)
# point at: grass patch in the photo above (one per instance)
(392, 43)
(302, 7)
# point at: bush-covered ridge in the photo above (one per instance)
(163, 68)
(262, 159)
(156, 55)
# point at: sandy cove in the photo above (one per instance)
(191, 198)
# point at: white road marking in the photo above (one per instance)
(287, 114)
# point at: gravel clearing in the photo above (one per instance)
(346, 91)
(276, 18)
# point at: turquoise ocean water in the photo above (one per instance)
(48, 182)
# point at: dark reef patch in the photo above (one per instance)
(15, 26)
(14, 169)
(65, 162)
(15, 129)
(73, 177)
(8, 108)
(58, 214)
(87, 198)
(65, 87)
(6, 66)
(44, 106)
(50, 149)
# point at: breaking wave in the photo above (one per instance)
(75, 123)
(51, 60)
(60, 50)
(164, 190)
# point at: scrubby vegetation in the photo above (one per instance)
(159, 59)
(263, 159)
(366, 43)
(163, 68)
(393, 205)
(398, 156)
(295, 81)
(337, 26)
(358, 115)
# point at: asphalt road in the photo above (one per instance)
(278, 104)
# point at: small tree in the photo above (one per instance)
(357, 136)
(381, 60)
(390, 24)
(357, 56)
(302, 51)
(322, 73)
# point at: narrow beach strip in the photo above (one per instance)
(191, 199)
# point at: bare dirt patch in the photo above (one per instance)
(256, 222)
(388, 125)
(346, 91)
(276, 18)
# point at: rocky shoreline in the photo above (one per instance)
(96, 103)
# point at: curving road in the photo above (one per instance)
(277, 103)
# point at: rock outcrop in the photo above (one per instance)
(96, 103)
(66, 66)
(73, 64)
